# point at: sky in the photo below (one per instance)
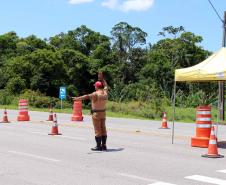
(46, 18)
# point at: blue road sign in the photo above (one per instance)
(62, 93)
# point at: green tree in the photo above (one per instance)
(8, 43)
(168, 54)
(30, 44)
(41, 70)
(77, 69)
(15, 85)
(82, 39)
(127, 50)
(48, 72)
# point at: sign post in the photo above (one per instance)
(62, 95)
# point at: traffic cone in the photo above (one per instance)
(164, 122)
(54, 130)
(212, 149)
(50, 115)
(5, 117)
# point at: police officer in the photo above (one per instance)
(98, 111)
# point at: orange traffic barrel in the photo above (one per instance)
(203, 127)
(23, 111)
(77, 111)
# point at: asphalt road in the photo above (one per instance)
(139, 153)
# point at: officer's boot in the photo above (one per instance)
(104, 139)
(98, 147)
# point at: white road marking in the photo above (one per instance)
(222, 171)
(206, 179)
(137, 177)
(155, 182)
(68, 137)
(40, 133)
(34, 156)
(161, 183)
(76, 138)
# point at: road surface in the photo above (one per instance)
(139, 153)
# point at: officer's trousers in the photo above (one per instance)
(99, 123)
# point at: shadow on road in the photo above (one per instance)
(221, 144)
(114, 150)
(108, 150)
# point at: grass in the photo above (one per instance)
(187, 114)
(181, 114)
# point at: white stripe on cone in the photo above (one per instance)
(212, 142)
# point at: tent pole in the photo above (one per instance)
(174, 99)
(221, 84)
(218, 108)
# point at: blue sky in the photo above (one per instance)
(45, 18)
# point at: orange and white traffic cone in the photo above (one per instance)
(50, 115)
(5, 117)
(164, 122)
(212, 149)
(54, 130)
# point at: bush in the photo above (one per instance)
(64, 103)
(6, 98)
(152, 109)
(39, 100)
(15, 85)
(195, 99)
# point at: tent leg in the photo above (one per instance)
(219, 108)
(174, 99)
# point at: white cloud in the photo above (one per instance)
(79, 1)
(112, 4)
(122, 5)
(136, 5)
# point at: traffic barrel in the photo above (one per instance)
(203, 127)
(164, 122)
(54, 130)
(5, 117)
(77, 111)
(23, 111)
(212, 149)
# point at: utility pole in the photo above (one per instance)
(221, 84)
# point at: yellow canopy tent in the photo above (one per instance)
(211, 69)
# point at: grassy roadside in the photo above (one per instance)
(187, 115)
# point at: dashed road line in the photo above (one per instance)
(75, 138)
(62, 136)
(137, 177)
(39, 133)
(161, 183)
(154, 182)
(206, 179)
(221, 171)
(34, 156)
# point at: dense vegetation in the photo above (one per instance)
(136, 71)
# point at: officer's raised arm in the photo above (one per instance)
(103, 81)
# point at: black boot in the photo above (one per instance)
(104, 139)
(98, 147)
